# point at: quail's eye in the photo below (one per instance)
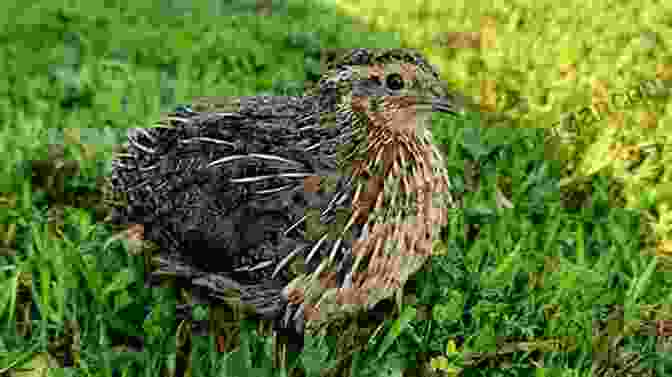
(394, 81)
(376, 80)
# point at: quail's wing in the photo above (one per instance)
(224, 190)
(324, 257)
(266, 146)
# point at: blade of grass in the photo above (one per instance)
(399, 325)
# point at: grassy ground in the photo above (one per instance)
(557, 286)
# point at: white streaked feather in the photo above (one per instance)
(311, 127)
(314, 249)
(288, 315)
(253, 155)
(256, 267)
(337, 200)
(177, 119)
(146, 134)
(208, 139)
(337, 244)
(274, 190)
(148, 168)
(365, 232)
(286, 260)
(347, 281)
(265, 177)
(137, 144)
(227, 159)
(295, 224)
(117, 163)
(348, 277)
(314, 146)
(299, 311)
(276, 158)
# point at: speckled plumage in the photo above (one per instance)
(344, 179)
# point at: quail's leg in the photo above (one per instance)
(224, 324)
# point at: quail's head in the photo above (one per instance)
(382, 96)
(391, 86)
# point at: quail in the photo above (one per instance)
(309, 207)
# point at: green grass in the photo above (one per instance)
(66, 68)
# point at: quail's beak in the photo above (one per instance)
(447, 105)
(452, 104)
